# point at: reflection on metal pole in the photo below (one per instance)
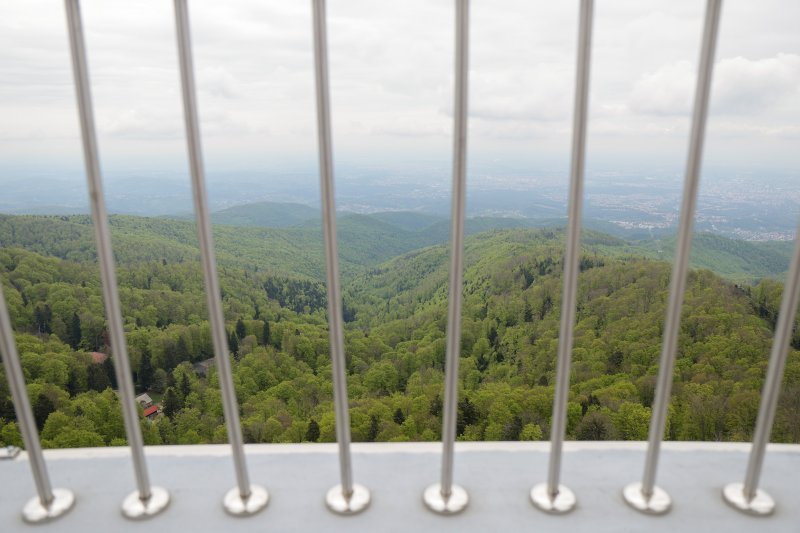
(445, 497)
(244, 499)
(347, 497)
(146, 501)
(646, 496)
(552, 497)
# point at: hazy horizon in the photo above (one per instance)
(391, 84)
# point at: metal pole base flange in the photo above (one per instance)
(453, 504)
(562, 502)
(656, 504)
(235, 505)
(761, 504)
(36, 513)
(338, 503)
(135, 508)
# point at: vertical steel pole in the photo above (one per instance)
(244, 499)
(646, 496)
(347, 497)
(50, 503)
(552, 497)
(445, 497)
(747, 497)
(146, 501)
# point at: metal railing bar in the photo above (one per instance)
(147, 500)
(554, 497)
(747, 496)
(49, 503)
(445, 497)
(347, 497)
(646, 497)
(245, 499)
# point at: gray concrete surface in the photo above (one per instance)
(498, 477)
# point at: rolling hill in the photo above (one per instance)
(266, 215)
(365, 241)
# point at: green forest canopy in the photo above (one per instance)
(395, 338)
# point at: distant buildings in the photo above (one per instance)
(151, 412)
(144, 400)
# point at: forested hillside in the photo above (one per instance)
(266, 215)
(395, 338)
(742, 261)
(365, 241)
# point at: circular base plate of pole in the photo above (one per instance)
(436, 502)
(135, 508)
(563, 502)
(235, 505)
(36, 513)
(761, 504)
(339, 504)
(658, 503)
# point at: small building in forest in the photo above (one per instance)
(151, 412)
(144, 400)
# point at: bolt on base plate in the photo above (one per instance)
(761, 504)
(658, 503)
(453, 504)
(36, 513)
(563, 502)
(339, 504)
(135, 508)
(235, 505)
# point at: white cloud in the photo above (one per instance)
(391, 69)
(740, 86)
(539, 93)
(138, 124)
(667, 91)
(218, 81)
(749, 86)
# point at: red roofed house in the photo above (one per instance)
(151, 412)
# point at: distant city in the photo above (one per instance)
(749, 208)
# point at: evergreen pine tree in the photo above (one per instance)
(312, 434)
(111, 376)
(436, 406)
(399, 417)
(186, 388)
(43, 317)
(182, 350)
(42, 409)
(233, 344)
(241, 331)
(512, 430)
(266, 333)
(73, 385)
(74, 333)
(98, 378)
(374, 429)
(145, 373)
(527, 313)
(170, 356)
(171, 403)
(467, 414)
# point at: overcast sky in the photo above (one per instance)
(391, 79)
